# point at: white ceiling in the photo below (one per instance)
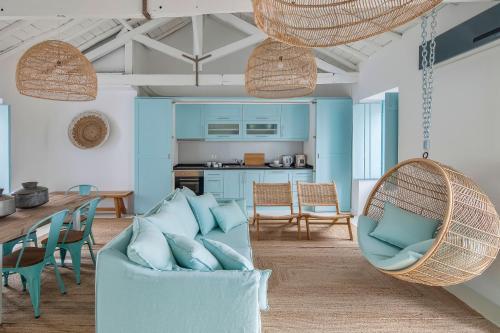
(101, 35)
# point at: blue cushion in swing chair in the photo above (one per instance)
(384, 255)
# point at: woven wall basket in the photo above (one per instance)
(278, 70)
(89, 130)
(58, 71)
(322, 23)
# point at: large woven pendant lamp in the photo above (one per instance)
(58, 71)
(322, 23)
(278, 70)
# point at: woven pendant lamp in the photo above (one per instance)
(58, 71)
(278, 70)
(323, 23)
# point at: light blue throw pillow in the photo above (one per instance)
(227, 256)
(190, 254)
(264, 278)
(228, 216)
(402, 228)
(187, 192)
(176, 217)
(148, 247)
(201, 208)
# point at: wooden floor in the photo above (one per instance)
(323, 285)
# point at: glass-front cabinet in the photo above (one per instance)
(261, 129)
(223, 130)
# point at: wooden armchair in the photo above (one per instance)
(321, 194)
(266, 195)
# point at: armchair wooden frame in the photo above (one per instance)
(321, 194)
(272, 194)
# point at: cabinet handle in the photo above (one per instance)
(222, 118)
(261, 118)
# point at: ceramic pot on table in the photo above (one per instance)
(7, 204)
(31, 195)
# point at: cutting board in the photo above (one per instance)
(254, 159)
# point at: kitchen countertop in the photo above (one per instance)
(230, 166)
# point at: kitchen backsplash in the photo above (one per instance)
(202, 151)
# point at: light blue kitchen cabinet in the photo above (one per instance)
(334, 146)
(189, 121)
(213, 182)
(222, 112)
(303, 176)
(250, 177)
(390, 131)
(153, 144)
(223, 130)
(261, 130)
(295, 122)
(276, 176)
(261, 112)
(5, 148)
(233, 184)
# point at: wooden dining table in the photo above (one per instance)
(18, 224)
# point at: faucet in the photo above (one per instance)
(237, 161)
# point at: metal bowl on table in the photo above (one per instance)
(31, 195)
(7, 204)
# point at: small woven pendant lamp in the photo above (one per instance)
(58, 71)
(277, 70)
(323, 23)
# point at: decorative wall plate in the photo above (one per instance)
(89, 129)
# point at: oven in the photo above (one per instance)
(192, 179)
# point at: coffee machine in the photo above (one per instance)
(300, 161)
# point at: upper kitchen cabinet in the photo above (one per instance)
(334, 146)
(295, 122)
(261, 112)
(189, 121)
(224, 112)
(153, 144)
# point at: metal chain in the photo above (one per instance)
(428, 59)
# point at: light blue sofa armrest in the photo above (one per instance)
(131, 298)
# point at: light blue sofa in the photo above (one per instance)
(132, 298)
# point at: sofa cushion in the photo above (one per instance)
(227, 256)
(187, 192)
(148, 247)
(190, 254)
(228, 216)
(237, 237)
(372, 245)
(264, 279)
(176, 217)
(201, 208)
(402, 228)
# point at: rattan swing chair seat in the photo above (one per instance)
(468, 239)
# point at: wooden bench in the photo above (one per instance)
(118, 197)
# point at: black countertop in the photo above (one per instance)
(230, 166)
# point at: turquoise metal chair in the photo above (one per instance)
(72, 241)
(83, 190)
(29, 261)
(9, 247)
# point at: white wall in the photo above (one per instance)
(466, 113)
(41, 149)
(200, 152)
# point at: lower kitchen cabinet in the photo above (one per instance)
(238, 184)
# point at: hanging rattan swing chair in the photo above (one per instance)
(467, 239)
